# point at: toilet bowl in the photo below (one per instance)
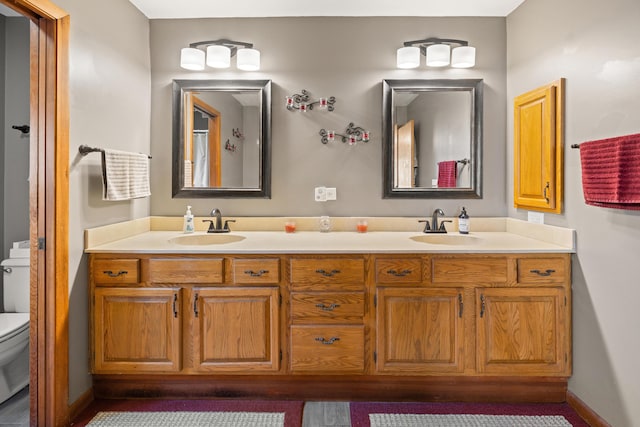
(14, 327)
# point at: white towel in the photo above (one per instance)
(125, 175)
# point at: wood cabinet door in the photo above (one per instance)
(537, 117)
(419, 331)
(522, 331)
(236, 329)
(137, 330)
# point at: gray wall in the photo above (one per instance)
(594, 46)
(109, 108)
(343, 57)
(15, 145)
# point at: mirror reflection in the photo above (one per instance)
(221, 138)
(432, 138)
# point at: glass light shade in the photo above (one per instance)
(408, 57)
(463, 57)
(248, 59)
(438, 55)
(192, 59)
(218, 56)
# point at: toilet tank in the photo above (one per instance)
(15, 274)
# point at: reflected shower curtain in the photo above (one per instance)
(201, 159)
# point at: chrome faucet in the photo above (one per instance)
(215, 225)
(434, 227)
(218, 216)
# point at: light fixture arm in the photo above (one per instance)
(231, 44)
(422, 44)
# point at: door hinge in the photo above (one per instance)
(41, 243)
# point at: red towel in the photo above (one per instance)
(447, 173)
(611, 172)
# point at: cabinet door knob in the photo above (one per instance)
(112, 274)
(330, 307)
(330, 341)
(327, 273)
(543, 273)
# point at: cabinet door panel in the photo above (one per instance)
(522, 331)
(236, 329)
(420, 331)
(137, 330)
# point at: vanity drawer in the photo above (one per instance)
(256, 270)
(186, 270)
(398, 270)
(327, 349)
(541, 270)
(327, 307)
(116, 271)
(469, 269)
(327, 274)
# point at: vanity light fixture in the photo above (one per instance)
(300, 102)
(353, 135)
(218, 55)
(438, 53)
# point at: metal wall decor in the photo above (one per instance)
(300, 102)
(353, 134)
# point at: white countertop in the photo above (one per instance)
(516, 238)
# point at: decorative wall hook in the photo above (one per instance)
(237, 133)
(22, 128)
(352, 135)
(229, 146)
(300, 101)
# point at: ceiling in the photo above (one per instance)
(167, 9)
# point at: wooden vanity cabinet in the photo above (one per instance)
(185, 315)
(433, 325)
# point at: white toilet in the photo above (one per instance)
(14, 323)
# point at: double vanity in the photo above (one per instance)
(393, 313)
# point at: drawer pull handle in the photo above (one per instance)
(483, 306)
(399, 273)
(195, 305)
(327, 307)
(112, 274)
(543, 273)
(460, 305)
(327, 342)
(256, 273)
(327, 273)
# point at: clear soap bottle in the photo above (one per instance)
(187, 226)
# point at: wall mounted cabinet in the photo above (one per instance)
(538, 148)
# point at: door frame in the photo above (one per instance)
(48, 210)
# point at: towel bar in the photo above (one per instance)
(85, 149)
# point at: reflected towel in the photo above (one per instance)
(611, 172)
(447, 173)
(124, 175)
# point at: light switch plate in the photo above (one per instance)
(331, 193)
(535, 217)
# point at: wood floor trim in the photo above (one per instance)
(585, 412)
(82, 403)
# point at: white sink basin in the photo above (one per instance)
(446, 239)
(206, 239)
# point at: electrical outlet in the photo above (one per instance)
(321, 194)
(535, 217)
(331, 193)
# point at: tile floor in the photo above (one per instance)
(15, 411)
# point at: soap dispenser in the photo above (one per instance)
(463, 222)
(188, 221)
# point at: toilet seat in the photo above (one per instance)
(12, 324)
